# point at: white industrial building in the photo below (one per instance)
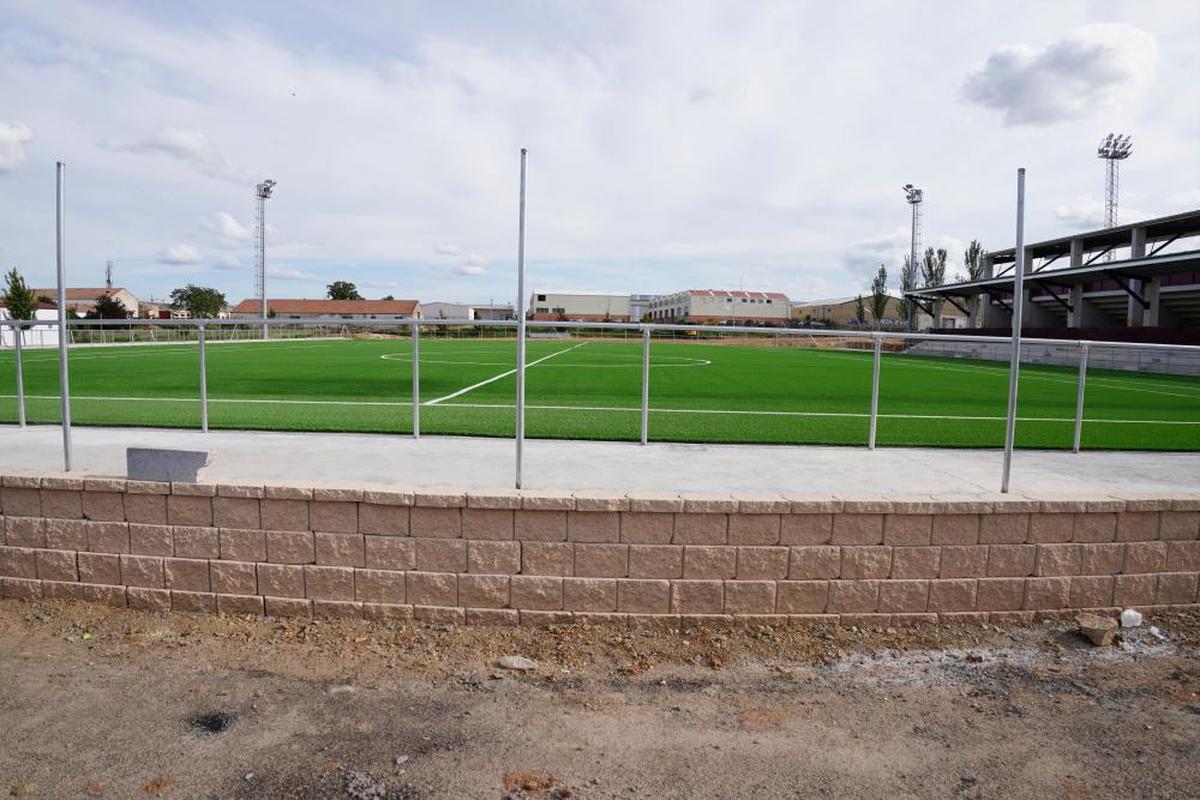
(708, 306)
(83, 300)
(579, 306)
(34, 336)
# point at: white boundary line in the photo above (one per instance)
(502, 375)
(619, 409)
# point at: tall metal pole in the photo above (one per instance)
(203, 380)
(1083, 365)
(875, 390)
(64, 382)
(1014, 364)
(416, 381)
(20, 377)
(521, 325)
(645, 385)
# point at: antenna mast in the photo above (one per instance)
(108, 275)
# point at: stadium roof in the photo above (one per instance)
(1164, 229)
(319, 307)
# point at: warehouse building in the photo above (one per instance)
(717, 306)
(579, 306)
(842, 312)
(329, 309)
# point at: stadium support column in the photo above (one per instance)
(1134, 312)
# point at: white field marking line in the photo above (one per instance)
(694, 362)
(1107, 383)
(735, 412)
(822, 414)
(502, 375)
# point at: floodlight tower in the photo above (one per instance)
(1114, 149)
(914, 196)
(263, 193)
(108, 275)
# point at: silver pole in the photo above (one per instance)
(1014, 364)
(645, 385)
(20, 377)
(416, 378)
(64, 378)
(875, 390)
(203, 380)
(1083, 365)
(520, 436)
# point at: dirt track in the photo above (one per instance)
(108, 703)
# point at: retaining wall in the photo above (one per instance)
(1067, 354)
(530, 558)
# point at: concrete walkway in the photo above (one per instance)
(477, 463)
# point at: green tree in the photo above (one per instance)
(343, 290)
(908, 283)
(107, 308)
(199, 301)
(387, 297)
(933, 275)
(879, 295)
(973, 264)
(17, 296)
(860, 312)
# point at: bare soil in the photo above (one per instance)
(98, 702)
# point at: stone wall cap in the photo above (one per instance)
(504, 499)
(654, 501)
(703, 503)
(763, 504)
(239, 490)
(600, 501)
(440, 497)
(194, 489)
(333, 494)
(533, 500)
(387, 496)
(859, 504)
(287, 492)
(147, 487)
(104, 484)
(21, 481)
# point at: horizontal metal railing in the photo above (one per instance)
(645, 332)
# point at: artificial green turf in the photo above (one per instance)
(592, 389)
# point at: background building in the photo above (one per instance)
(580, 306)
(447, 311)
(329, 309)
(706, 306)
(81, 301)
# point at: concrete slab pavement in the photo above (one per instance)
(481, 463)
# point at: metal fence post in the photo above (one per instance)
(20, 376)
(203, 379)
(875, 390)
(64, 378)
(1014, 364)
(645, 385)
(416, 381)
(520, 432)
(1083, 365)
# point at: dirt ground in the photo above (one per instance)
(98, 702)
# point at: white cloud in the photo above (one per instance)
(862, 258)
(179, 254)
(472, 270)
(231, 231)
(1084, 212)
(1093, 69)
(190, 147)
(287, 274)
(13, 136)
(447, 249)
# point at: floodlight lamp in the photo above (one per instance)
(263, 189)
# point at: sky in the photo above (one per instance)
(672, 145)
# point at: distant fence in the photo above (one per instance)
(205, 331)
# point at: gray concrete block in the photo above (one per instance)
(156, 464)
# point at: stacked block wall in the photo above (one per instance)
(508, 558)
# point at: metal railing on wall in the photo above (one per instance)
(204, 329)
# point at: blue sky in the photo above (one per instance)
(672, 145)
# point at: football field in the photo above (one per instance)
(578, 388)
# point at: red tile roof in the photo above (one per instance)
(316, 308)
(77, 295)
